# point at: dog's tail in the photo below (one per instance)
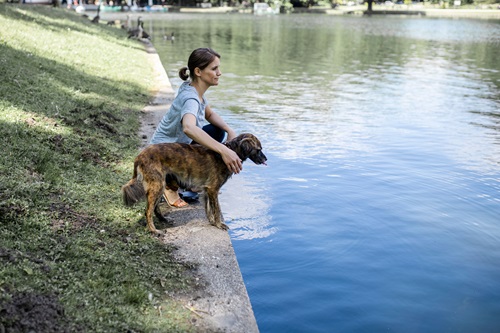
(133, 191)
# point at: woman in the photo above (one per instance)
(189, 112)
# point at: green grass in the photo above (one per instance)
(71, 93)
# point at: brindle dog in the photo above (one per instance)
(181, 165)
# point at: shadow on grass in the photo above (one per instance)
(35, 84)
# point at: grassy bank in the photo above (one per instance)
(72, 258)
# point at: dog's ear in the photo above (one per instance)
(246, 146)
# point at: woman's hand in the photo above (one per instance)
(232, 160)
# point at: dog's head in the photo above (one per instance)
(247, 145)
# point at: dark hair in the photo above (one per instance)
(200, 58)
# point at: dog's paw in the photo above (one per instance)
(157, 232)
(223, 226)
(160, 234)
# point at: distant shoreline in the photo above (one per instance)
(402, 10)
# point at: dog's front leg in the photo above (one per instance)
(212, 209)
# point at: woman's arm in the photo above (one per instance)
(213, 118)
(232, 160)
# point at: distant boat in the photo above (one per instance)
(261, 8)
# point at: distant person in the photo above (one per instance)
(185, 121)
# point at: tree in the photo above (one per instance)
(370, 6)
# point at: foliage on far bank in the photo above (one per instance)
(72, 258)
(312, 3)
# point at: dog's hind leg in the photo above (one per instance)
(157, 210)
(153, 195)
(212, 209)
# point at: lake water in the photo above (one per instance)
(379, 210)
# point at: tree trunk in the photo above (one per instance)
(370, 6)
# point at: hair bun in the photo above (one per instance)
(184, 73)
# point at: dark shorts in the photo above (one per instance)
(216, 133)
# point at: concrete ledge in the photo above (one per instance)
(221, 304)
(395, 12)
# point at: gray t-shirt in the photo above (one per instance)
(170, 127)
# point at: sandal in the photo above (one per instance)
(177, 203)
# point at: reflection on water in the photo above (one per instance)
(379, 208)
(247, 208)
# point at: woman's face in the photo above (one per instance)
(210, 75)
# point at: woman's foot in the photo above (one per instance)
(173, 200)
